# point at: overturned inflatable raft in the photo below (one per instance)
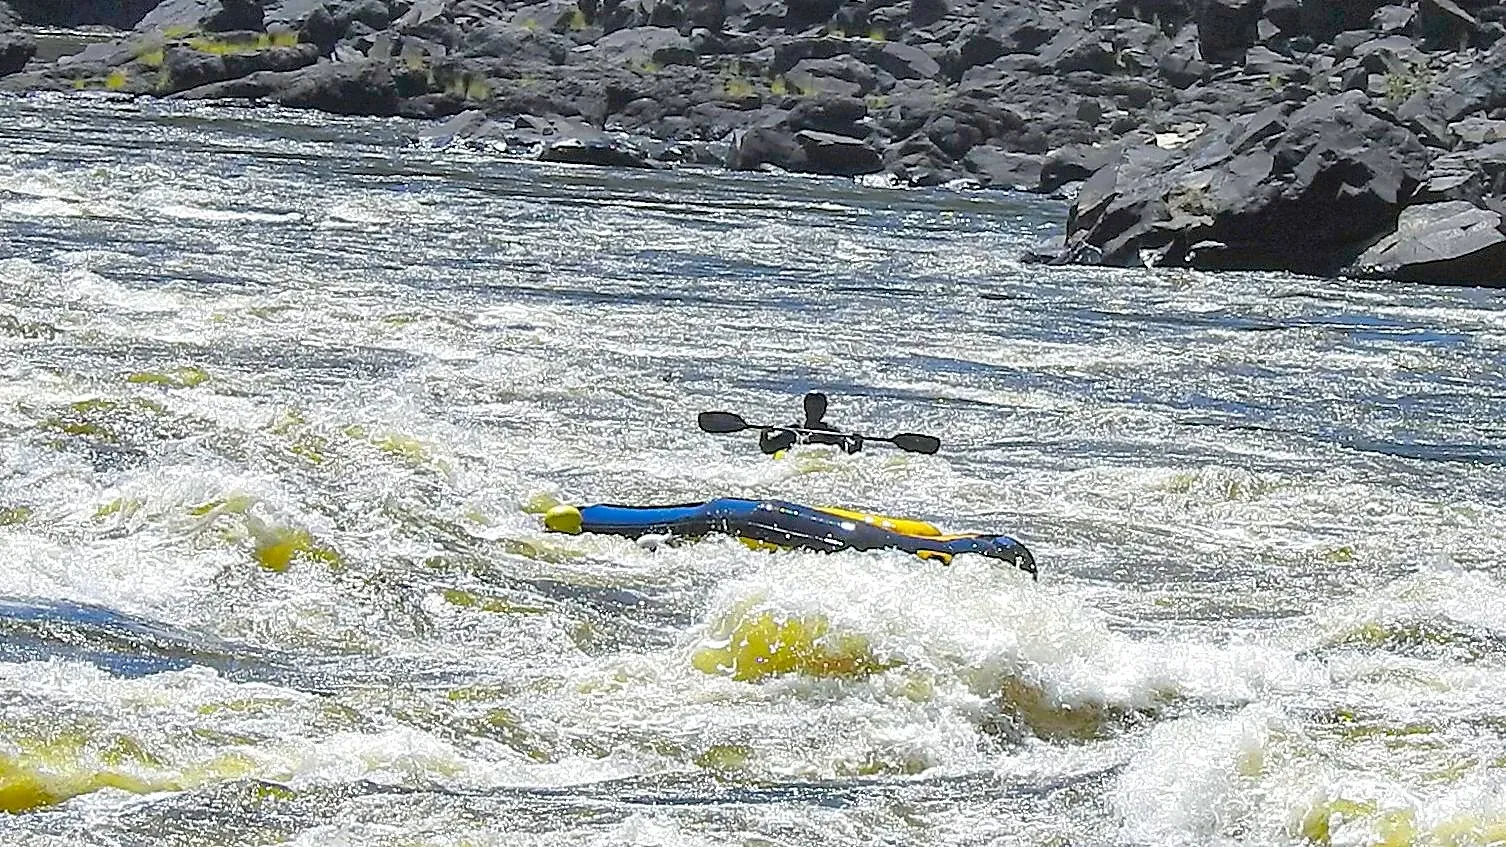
(781, 524)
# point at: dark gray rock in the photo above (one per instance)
(1453, 242)
(1284, 15)
(828, 114)
(1468, 88)
(1478, 131)
(184, 68)
(995, 167)
(840, 75)
(830, 153)
(917, 161)
(1077, 50)
(1323, 19)
(363, 88)
(15, 52)
(581, 145)
(1394, 20)
(904, 61)
(807, 151)
(117, 14)
(1181, 62)
(1476, 175)
(514, 44)
(1226, 28)
(1303, 192)
(644, 46)
(233, 16)
(1075, 163)
(1444, 25)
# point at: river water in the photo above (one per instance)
(284, 394)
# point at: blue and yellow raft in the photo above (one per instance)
(781, 524)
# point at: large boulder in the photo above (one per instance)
(15, 52)
(1323, 19)
(1226, 28)
(578, 144)
(1454, 242)
(803, 151)
(644, 47)
(995, 167)
(185, 68)
(1305, 191)
(118, 14)
(342, 88)
(233, 16)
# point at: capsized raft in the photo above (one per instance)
(779, 523)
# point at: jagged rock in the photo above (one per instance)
(1451, 242)
(1303, 192)
(233, 16)
(1478, 131)
(1444, 25)
(974, 46)
(1393, 20)
(1475, 175)
(803, 13)
(1284, 15)
(364, 88)
(839, 75)
(641, 46)
(995, 167)
(582, 145)
(904, 61)
(1470, 88)
(15, 52)
(515, 44)
(827, 114)
(117, 14)
(1226, 28)
(184, 68)
(1075, 163)
(1076, 50)
(1323, 19)
(805, 150)
(1182, 62)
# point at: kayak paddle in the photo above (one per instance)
(727, 422)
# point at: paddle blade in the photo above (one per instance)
(916, 443)
(721, 422)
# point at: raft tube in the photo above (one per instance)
(786, 525)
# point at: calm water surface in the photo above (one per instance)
(281, 397)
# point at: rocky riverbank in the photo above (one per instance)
(1326, 136)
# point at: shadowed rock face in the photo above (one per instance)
(15, 52)
(121, 14)
(1282, 134)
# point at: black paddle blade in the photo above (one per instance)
(916, 443)
(721, 422)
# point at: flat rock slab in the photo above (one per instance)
(1451, 242)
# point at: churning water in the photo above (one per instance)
(284, 394)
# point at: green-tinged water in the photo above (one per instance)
(281, 397)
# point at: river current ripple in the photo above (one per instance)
(283, 395)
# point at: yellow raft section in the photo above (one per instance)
(903, 526)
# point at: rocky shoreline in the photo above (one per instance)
(1350, 137)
